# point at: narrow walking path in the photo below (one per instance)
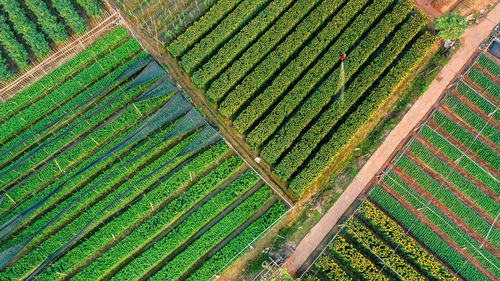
(470, 42)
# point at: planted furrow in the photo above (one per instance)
(199, 28)
(361, 24)
(277, 59)
(138, 212)
(340, 106)
(229, 253)
(56, 240)
(102, 185)
(238, 18)
(363, 113)
(165, 244)
(230, 223)
(253, 55)
(296, 67)
(48, 82)
(239, 42)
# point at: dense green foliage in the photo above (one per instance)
(274, 71)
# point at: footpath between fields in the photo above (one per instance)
(471, 40)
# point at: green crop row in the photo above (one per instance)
(361, 116)
(253, 55)
(48, 22)
(76, 131)
(361, 267)
(229, 253)
(178, 266)
(25, 27)
(426, 236)
(294, 69)
(88, 144)
(71, 144)
(92, 7)
(442, 222)
(62, 73)
(446, 197)
(467, 139)
(397, 267)
(465, 186)
(276, 59)
(16, 51)
(488, 64)
(187, 229)
(238, 18)
(75, 183)
(55, 240)
(329, 269)
(199, 28)
(456, 156)
(5, 72)
(68, 12)
(486, 106)
(130, 221)
(484, 82)
(68, 90)
(239, 42)
(37, 132)
(260, 133)
(474, 120)
(397, 236)
(370, 73)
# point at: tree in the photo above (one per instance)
(450, 26)
(281, 275)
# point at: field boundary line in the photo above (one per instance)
(473, 38)
(70, 47)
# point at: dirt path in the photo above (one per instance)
(470, 42)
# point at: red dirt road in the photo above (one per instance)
(470, 42)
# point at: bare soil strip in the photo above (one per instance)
(486, 190)
(462, 197)
(478, 89)
(464, 149)
(445, 211)
(434, 228)
(462, 123)
(471, 40)
(494, 123)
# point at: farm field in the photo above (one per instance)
(164, 20)
(31, 29)
(441, 191)
(364, 250)
(109, 172)
(272, 70)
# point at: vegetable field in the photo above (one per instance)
(272, 69)
(30, 29)
(163, 20)
(109, 172)
(372, 246)
(444, 186)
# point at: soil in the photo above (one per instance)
(458, 120)
(493, 122)
(421, 217)
(486, 190)
(472, 38)
(444, 210)
(439, 178)
(464, 149)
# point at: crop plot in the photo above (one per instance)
(109, 172)
(444, 186)
(272, 69)
(163, 20)
(30, 29)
